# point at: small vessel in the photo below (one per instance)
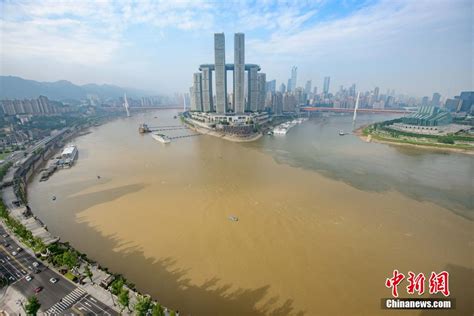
(98, 177)
(341, 133)
(143, 128)
(54, 198)
(161, 138)
(270, 133)
(175, 117)
(280, 130)
(233, 218)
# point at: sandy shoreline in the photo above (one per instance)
(359, 133)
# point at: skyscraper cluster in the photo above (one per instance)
(250, 98)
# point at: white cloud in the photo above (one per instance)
(87, 32)
(377, 24)
(94, 34)
(414, 35)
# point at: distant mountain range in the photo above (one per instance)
(18, 88)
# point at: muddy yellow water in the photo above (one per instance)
(306, 242)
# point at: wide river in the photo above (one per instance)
(323, 219)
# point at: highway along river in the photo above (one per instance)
(323, 219)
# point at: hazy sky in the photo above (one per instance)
(415, 47)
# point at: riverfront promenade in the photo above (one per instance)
(57, 294)
(18, 261)
(63, 296)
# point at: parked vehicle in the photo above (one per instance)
(28, 278)
(53, 280)
(38, 289)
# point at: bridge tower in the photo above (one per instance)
(125, 104)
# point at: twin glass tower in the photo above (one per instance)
(202, 97)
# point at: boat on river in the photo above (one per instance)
(233, 218)
(161, 138)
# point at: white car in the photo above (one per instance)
(53, 280)
(28, 278)
(14, 253)
(35, 264)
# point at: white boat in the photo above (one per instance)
(68, 156)
(233, 218)
(280, 130)
(161, 138)
(341, 133)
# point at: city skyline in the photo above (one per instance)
(250, 97)
(401, 46)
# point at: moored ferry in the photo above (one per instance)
(161, 138)
(68, 156)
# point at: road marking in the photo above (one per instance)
(13, 258)
(96, 305)
(85, 308)
(14, 269)
(66, 302)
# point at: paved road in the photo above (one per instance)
(62, 297)
(91, 306)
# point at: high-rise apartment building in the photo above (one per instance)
(239, 73)
(307, 88)
(221, 78)
(326, 85)
(294, 76)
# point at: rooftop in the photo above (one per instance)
(68, 150)
(228, 66)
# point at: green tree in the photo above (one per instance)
(143, 305)
(446, 139)
(124, 299)
(88, 272)
(3, 282)
(32, 306)
(117, 286)
(70, 258)
(172, 313)
(157, 310)
(67, 258)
